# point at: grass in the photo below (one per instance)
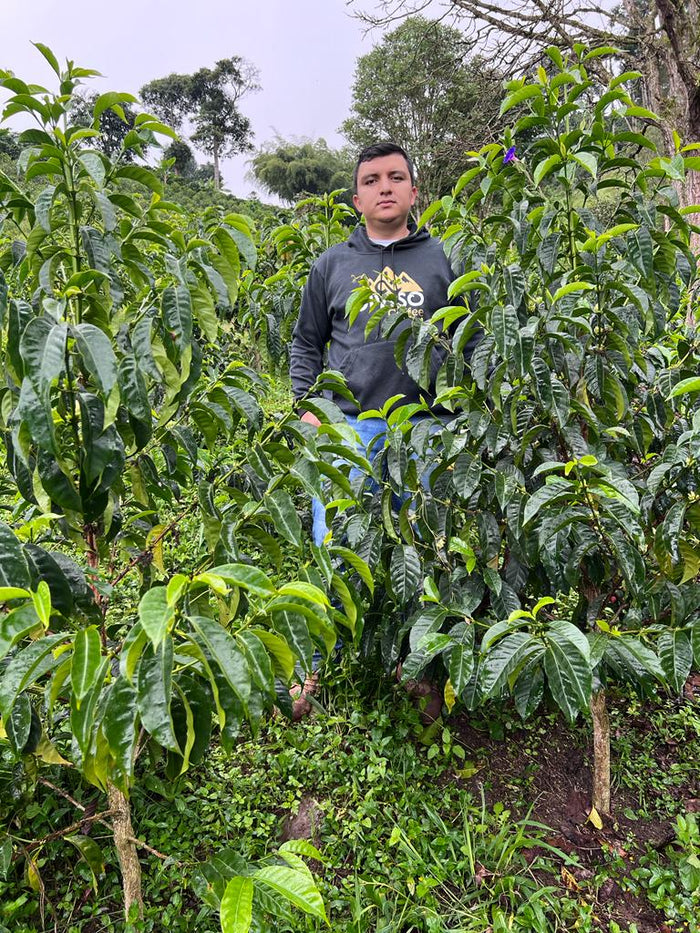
(416, 837)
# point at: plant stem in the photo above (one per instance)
(600, 797)
(126, 850)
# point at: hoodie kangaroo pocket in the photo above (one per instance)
(373, 376)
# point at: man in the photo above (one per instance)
(390, 254)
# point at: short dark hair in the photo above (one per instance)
(376, 151)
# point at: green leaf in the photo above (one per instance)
(297, 888)
(520, 96)
(405, 572)
(205, 312)
(92, 854)
(120, 727)
(154, 692)
(280, 653)
(504, 323)
(676, 656)
(568, 667)
(42, 347)
(461, 667)
(505, 659)
(467, 474)
(16, 624)
(14, 571)
(284, 516)
(142, 176)
(97, 355)
(249, 578)
(223, 649)
(177, 314)
(82, 712)
(554, 489)
(155, 614)
(87, 656)
(685, 387)
(545, 167)
(570, 289)
(49, 56)
(237, 905)
(19, 723)
(26, 667)
(5, 856)
(42, 602)
(351, 559)
(295, 630)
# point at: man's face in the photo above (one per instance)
(385, 194)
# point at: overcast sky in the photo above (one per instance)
(305, 50)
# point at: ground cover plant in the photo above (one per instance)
(159, 589)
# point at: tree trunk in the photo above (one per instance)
(126, 850)
(600, 797)
(118, 802)
(217, 170)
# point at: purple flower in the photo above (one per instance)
(509, 156)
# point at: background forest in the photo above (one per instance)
(159, 589)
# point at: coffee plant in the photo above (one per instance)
(124, 426)
(547, 540)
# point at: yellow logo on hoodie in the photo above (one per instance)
(407, 291)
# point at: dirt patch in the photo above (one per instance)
(551, 767)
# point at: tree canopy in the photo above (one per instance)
(289, 169)
(112, 128)
(209, 101)
(656, 38)
(419, 88)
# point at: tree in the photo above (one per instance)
(659, 38)
(419, 88)
(291, 169)
(209, 100)
(184, 164)
(113, 124)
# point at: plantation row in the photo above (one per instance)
(159, 584)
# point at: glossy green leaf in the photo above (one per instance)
(568, 668)
(237, 905)
(97, 355)
(87, 656)
(42, 347)
(284, 515)
(249, 578)
(14, 571)
(224, 651)
(294, 886)
(120, 727)
(405, 571)
(155, 614)
(676, 657)
(92, 855)
(154, 693)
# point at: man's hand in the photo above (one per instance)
(310, 418)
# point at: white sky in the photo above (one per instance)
(305, 50)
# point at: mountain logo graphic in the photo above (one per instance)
(389, 281)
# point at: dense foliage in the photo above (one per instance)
(158, 588)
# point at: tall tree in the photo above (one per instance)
(289, 169)
(419, 88)
(658, 38)
(208, 101)
(113, 129)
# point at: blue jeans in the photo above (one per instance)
(370, 431)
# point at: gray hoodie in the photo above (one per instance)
(415, 268)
